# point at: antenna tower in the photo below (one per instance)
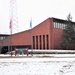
(13, 16)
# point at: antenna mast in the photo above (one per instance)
(13, 16)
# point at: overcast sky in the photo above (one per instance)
(39, 10)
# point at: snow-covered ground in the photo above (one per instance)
(37, 66)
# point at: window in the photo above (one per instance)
(43, 41)
(54, 25)
(33, 42)
(36, 42)
(59, 25)
(47, 39)
(40, 42)
(64, 26)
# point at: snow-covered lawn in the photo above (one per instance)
(37, 66)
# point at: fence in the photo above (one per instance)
(28, 51)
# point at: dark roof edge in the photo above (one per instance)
(4, 34)
(61, 20)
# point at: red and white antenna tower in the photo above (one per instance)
(13, 16)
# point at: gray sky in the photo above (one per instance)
(39, 10)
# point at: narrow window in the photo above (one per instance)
(33, 42)
(43, 41)
(64, 26)
(47, 39)
(54, 25)
(36, 42)
(40, 42)
(60, 25)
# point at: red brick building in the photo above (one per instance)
(46, 35)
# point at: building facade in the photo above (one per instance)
(46, 35)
